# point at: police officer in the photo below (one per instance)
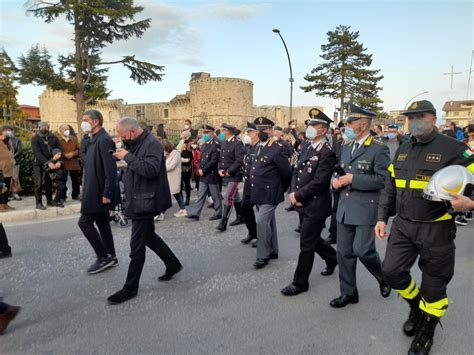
(269, 178)
(421, 227)
(312, 199)
(209, 177)
(365, 161)
(230, 169)
(250, 140)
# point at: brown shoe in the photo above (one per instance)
(7, 317)
(8, 207)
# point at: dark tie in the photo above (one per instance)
(258, 150)
(356, 146)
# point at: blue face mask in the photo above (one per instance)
(221, 136)
(350, 133)
(391, 135)
(206, 137)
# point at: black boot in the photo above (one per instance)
(225, 217)
(423, 340)
(239, 219)
(186, 203)
(410, 325)
(248, 239)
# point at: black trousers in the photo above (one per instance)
(248, 214)
(42, 181)
(102, 241)
(4, 247)
(310, 243)
(333, 226)
(143, 235)
(186, 179)
(75, 181)
(4, 196)
(434, 243)
(59, 186)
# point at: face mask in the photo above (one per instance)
(221, 136)
(350, 133)
(293, 126)
(311, 132)
(206, 137)
(86, 127)
(262, 136)
(186, 126)
(391, 135)
(345, 138)
(66, 133)
(10, 134)
(194, 146)
(118, 145)
(417, 127)
(44, 130)
(246, 139)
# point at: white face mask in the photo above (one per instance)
(66, 133)
(311, 132)
(194, 146)
(186, 126)
(246, 140)
(471, 144)
(293, 126)
(86, 127)
(118, 145)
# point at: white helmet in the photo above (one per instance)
(451, 179)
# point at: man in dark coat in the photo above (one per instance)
(42, 145)
(5, 250)
(99, 193)
(148, 192)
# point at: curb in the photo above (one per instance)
(34, 214)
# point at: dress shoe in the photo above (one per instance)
(260, 263)
(290, 208)
(254, 244)
(331, 240)
(215, 217)
(384, 289)
(193, 216)
(121, 296)
(273, 256)
(237, 221)
(7, 316)
(40, 206)
(211, 205)
(328, 270)
(293, 290)
(247, 239)
(168, 275)
(298, 229)
(343, 301)
(5, 254)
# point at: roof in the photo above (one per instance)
(456, 105)
(28, 106)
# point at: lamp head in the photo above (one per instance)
(276, 30)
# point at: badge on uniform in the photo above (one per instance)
(309, 170)
(402, 157)
(314, 158)
(433, 158)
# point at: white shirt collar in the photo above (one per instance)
(317, 143)
(229, 139)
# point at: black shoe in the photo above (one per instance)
(328, 270)
(293, 290)
(273, 256)
(331, 240)
(59, 204)
(211, 205)
(40, 206)
(290, 208)
(50, 204)
(215, 217)
(423, 340)
(410, 325)
(237, 221)
(193, 216)
(168, 275)
(76, 198)
(298, 229)
(254, 244)
(247, 239)
(121, 296)
(385, 290)
(100, 265)
(222, 226)
(5, 254)
(114, 261)
(260, 263)
(343, 301)
(461, 220)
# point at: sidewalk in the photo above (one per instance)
(25, 210)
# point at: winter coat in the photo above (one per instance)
(173, 169)
(6, 160)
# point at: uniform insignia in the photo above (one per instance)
(414, 105)
(433, 158)
(309, 170)
(368, 141)
(402, 157)
(260, 120)
(423, 177)
(467, 153)
(314, 113)
(314, 158)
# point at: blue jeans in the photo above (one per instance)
(179, 199)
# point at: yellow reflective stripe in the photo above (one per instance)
(401, 184)
(417, 184)
(392, 171)
(410, 292)
(470, 167)
(444, 217)
(437, 309)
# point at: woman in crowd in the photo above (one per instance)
(6, 166)
(196, 148)
(173, 168)
(186, 170)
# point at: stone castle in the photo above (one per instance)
(209, 101)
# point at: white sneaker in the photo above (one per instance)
(181, 213)
(160, 217)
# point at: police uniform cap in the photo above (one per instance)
(420, 107)
(228, 127)
(251, 126)
(355, 113)
(318, 117)
(263, 123)
(207, 127)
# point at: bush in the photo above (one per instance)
(26, 169)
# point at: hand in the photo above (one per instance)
(336, 185)
(57, 165)
(201, 173)
(346, 179)
(51, 166)
(106, 201)
(293, 200)
(221, 173)
(380, 230)
(461, 203)
(120, 154)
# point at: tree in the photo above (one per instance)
(96, 24)
(345, 72)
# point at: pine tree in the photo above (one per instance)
(96, 24)
(345, 73)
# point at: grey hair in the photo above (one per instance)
(43, 124)
(95, 115)
(128, 123)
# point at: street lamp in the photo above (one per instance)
(421, 93)
(275, 30)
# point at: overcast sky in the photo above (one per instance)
(413, 43)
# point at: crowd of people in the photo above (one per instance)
(356, 174)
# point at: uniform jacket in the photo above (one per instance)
(232, 155)
(249, 156)
(313, 180)
(270, 175)
(42, 147)
(209, 162)
(414, 164)
(100, 175)
(146, 183)
(358, 201)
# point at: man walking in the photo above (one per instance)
(146, 183)
(100, 193)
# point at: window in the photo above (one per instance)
(166, 113)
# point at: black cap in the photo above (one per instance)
(56, 151)
(237, 131)
(263, 123)
(420, 107)
(229, 127)
(317, 116)
(251, 126)
(207, 127)
(355, 113)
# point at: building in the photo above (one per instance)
(459, 112)
(32, 113)
(208, 101)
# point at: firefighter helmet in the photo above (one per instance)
(451, 179)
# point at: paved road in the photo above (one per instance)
(219, 304)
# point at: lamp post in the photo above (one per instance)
(277, 31)
(421, 93)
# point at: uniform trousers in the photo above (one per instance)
(231, 193)
(267, 236)
(204, 189)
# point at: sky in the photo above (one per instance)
(413, 43)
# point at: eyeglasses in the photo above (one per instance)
(418, 115)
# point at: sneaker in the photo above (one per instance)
(100, 265)
(160, 217)
(181, 213)
(469, 216)
(114, 261)
(461, 220)
(209, 199)
(16, 197)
